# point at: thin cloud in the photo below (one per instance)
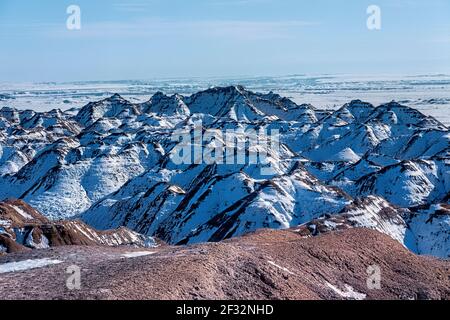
(235, 29)
(131, 6)
(235, 2)
(441, 40)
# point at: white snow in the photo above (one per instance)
(176, 189)
(84, 232)
(5, 223)
(43, 244)
(280, 267)
(348, 293)
(137, 254)
(432, 232)
(114, 173)
(346, 154)
(22, 212)
(27, 265)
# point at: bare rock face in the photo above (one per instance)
(23, 228)
(269, 264)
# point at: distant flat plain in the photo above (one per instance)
(428, 93)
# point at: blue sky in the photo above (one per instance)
(140, 39)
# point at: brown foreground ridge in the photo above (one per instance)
(23, 228)
(268, 264)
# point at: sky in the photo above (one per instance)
(138, 39)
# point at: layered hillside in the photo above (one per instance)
(22, 228)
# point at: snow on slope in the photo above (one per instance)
(110, 163)
(372, 212)
(431, 226)
(408, 183)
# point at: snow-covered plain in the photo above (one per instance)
(429, 94)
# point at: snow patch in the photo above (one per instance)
(280, 267)
(137, 254)
(22, 212)
(176, 189)
(5, 223)
(43, 244)
(349, 292)
(27, 265)
(346, 154)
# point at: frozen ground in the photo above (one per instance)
(427, 93)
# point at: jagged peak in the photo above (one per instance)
(394, 103)
(161, 103)
(407, 115)
(359, 103)
(58, 113)
(116, 96)
(234, 89)
(159, 95)
(112, 99)
(7, 109)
